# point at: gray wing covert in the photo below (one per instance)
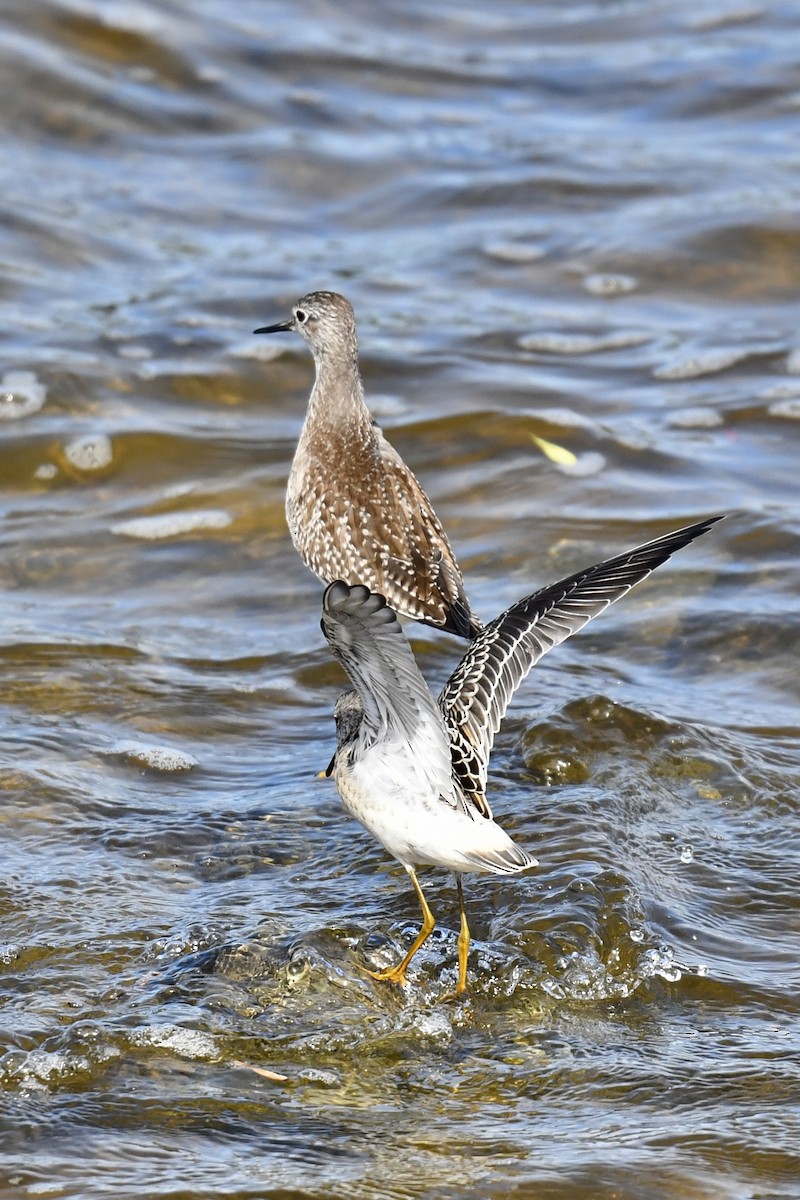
(367, 639)
(475, 699)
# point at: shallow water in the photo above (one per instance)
(570, 222)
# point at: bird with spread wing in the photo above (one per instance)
(414, 772)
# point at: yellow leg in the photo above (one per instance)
(398, 974)
(463, 941)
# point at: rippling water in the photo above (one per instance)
(570, 222)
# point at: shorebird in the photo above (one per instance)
(356, 512)
(414, 772)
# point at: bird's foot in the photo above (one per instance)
(391, 974)
(449, 997)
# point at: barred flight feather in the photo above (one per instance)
(475, 699)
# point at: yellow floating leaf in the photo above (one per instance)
(560, 455)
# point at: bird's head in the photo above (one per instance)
(326, 321)
(347, 714)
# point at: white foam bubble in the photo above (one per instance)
(188, 1043)
(551, 342)
(786, 408)
(42, 1065)
(707, 362)
(695, 418)
(321, 1075)
(92, 452)
(610, 285)
(170, 524)
(567, 418)
(157, 758)
(515, 252)
(21, 395)
(781, 391)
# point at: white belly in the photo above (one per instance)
(389, 794)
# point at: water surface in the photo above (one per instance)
(575, 222)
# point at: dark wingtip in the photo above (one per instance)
(459, 621)
(666, 545)
(335, 594)
(340, 596)
(703, 526)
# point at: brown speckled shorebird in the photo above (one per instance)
(414, 772)
(355, 510)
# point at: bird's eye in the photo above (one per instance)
(301, 316)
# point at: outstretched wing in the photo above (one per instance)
(475, 699)
(366, 637)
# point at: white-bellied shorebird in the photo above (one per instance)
(355, 510)
(413, 772)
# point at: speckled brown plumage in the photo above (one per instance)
(355, 510)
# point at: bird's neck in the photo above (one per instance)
(338, 393)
